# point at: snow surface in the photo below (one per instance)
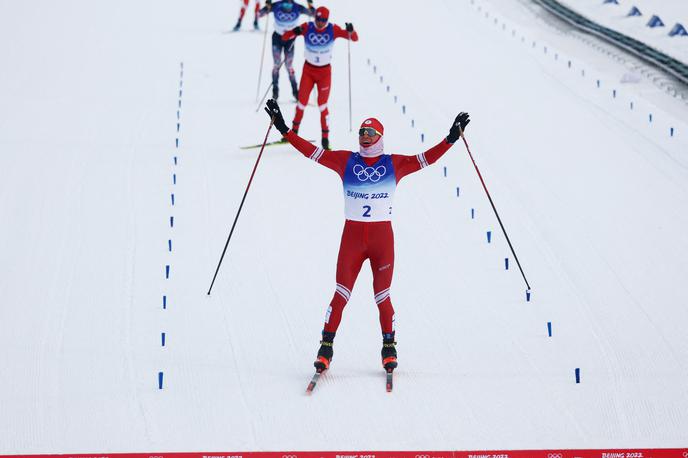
(615, 16)
(594, 197)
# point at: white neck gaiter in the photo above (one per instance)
(374, 150)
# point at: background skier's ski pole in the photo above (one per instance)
(262, 55)
(278, 69)
(348, 45)
(463, 137)
(236, 218)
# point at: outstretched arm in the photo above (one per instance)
(348, 32)
(405, 165)
(334, 160)
(296, 31)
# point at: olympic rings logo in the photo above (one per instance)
(374, 175)
(422, 456)
(283, 16)
(685, 454)
(318, 39)
(288, 456)
(555, 455)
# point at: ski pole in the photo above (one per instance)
(269, 86)
(348, 45)
(241, 205)
(262, 56)
(463, 137)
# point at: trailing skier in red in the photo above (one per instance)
(319, 37)
(244, 7)
(370, 177)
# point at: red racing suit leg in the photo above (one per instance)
(324, 82)
(305, 88)
(361, 241)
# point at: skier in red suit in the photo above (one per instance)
(244, 7)
(319, 39)
(370, 177)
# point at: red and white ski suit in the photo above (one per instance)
(317, 70)
(369, 184)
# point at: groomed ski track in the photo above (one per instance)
(594, 197)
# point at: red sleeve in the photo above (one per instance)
(289, 34)
(342, 33)
(334, 160)
(405, 165)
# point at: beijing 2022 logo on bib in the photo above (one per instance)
(369, 173)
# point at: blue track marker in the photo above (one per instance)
(422, 138)
(169, 245)
(578, 375)
(160, 380)
(176, 142)
(457, 191)
(489, 236)
(172, 195)
(162, 338)
(549, 328)
(175, 160)
(164, 302)
(167, 271)
(472, 213)
(506, 263)
(403, 109)
(445, 170)
(171, 221)
(413, 123)
(174, 178)
(671, 131)
(527, 295)
(650, 117)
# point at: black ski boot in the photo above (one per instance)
(237, 26)
(326, 143)
(325, 352)
(389, 352)
(255, 24)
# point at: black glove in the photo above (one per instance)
(349, 27)
(457, 127)
(297, 31)
(273, 110)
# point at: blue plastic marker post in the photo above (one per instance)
(181, 64)
(413, 123)
(650, 117)
(457, 191)
(578, 375)
(489, 236)
(445, 169)
(403, 109)
(545, 48)
(422, 138)
(174, 178)
(164, 302)
(162, 338)
(177, 114)
(171, 221)
(549, 328)
(533, 44)
(671, 131)
(381, 79)
(569, 64)
(181, 83)
(176, 142)
(160, 380)
(582, 72)
(169, 245)
(374, 68)
(506, 263)
(631, 105)
(175, 160)
(177, 127)
(180, 93)
(180, 103)
(368, 62)
(614, 93)
(395, 99)
(388, 88)
(527, 295)
(172, 195)
(598, 83)
(167, 271)
(472, 213)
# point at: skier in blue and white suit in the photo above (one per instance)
(286, 13)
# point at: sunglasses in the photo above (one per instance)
(368, 131)
(321, 19)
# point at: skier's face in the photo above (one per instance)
(368, 136)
